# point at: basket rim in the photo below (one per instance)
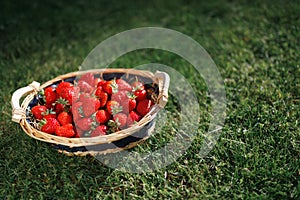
(163, 85)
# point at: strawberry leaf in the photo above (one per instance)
(116, 109)
(62, 101)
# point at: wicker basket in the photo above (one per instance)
(118, 141)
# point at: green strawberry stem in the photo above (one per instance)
(62, 101)
(113, 126)
(114, 86)
(42, 122)
(116, 109)
(42, 93)
(130, 95)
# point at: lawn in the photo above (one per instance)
(255, 46)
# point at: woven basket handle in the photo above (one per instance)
(163, 81)
(17, 111)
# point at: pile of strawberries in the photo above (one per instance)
(92, 106)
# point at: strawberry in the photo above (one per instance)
(49, 125)
(133, 117)
(99, 130)
(144, 106)
(90, 105)
(123, 85)
(77, 111)
(137, 86)
(103, 96)
(38, 111)
(110, 87)
(83, 96)
(140, 94)
(68, 94)
(120, 96)
(65, 131)
(49, 116)
(129, 103)
(61, 86)
(120, 119)
(64, 118)
(102, 116)
(125, 99)
(85, 124)
(76, 94)
(113, 107)
(66, 91)
(101, 83)
(88, 78)
(61, 105)
(76, 106)
(50, 96)
(139, 91)
(85, 87)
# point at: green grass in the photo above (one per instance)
(256, 48)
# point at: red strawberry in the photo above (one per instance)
(120, 119)
(101, 83)
(85, 124)
(49, 116)
(64, 118)
(129, 104)
(68, 94)
(38, 111)
(65, 131)
(103, 96)
(110, 87)
(50, 96)
(139, 91)
(49, 125)
(76, 115)
(99, 130)
(61, 105)
(90, 105)
(61, 86)
(123, 85)
(76, 94)
(83, 96)
(113, 107)
(102, 116)
(120, 96)
(89, 78)
(137, 86)
(77, 111)
(85, 87)
(144, 106)
(140, 94)
(133, 117)
(125, 99)
(76, 106)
